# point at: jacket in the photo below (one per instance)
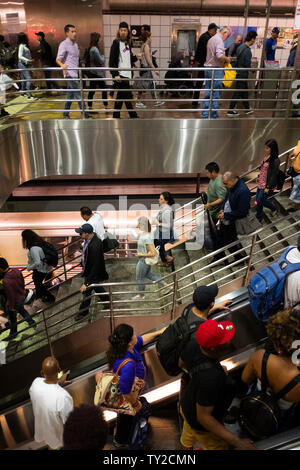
(94, 269)
(272, 174)
(114, 57)
(244, 56)
(239, 199)
(200, 55)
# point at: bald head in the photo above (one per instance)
(229, 179)
(50, 368)
(238, 39)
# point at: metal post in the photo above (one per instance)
(81, 94)
(64, 264)
(246, 13)
(47, 334)
(198, 185)
(246, 281)
(111, 318)
(268, 12)
(174, 302)
(211, 92)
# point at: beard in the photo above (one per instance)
(123, 37)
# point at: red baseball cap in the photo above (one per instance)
(211, 333)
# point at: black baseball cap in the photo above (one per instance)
(212, 26)
(205, 295)
(85, 228)
(40, 33)
(123, 24)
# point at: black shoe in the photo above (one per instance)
(33, 325)
(10, 337)
(80, 316)
(48, 300)
(4, 113)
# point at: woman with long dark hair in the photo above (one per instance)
(164, 232)
(267, 179)
(124, 344)
(36, 263)
(96, 60)
(24, 61)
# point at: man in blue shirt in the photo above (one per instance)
(271, 44)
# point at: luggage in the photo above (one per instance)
(140, 426)
(259, 413)
(172, 341)
(51, 255)
(266, 288)
(108, 393)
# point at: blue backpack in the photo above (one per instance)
(266, 288)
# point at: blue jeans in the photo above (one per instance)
(73, 95)
(143, 272)
(25, 74)
(262, 201)
(217, 85)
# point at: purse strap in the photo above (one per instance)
(123, 364)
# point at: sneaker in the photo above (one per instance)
(80, 316)
(249, 111)
(232, 113)
(138, 297)
(159, 103)
(273, 213)
(117, 445)
(66, 116)
(140, 105)
(31, 97)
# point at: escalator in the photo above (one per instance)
(16, 417)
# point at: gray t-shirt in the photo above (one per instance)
(144, 240)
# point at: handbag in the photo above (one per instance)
(229, 76)
(154, 259)
(247, 224)
(108, 396)
(109, 243)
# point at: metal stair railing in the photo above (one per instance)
(164, 301)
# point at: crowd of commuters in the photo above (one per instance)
(210, 53)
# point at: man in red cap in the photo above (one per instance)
(208, 395)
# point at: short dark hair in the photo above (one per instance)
(86, 211)
(212, 166)
(67, 27)
(146, 27)
(3, 263)
(85, 429)
(251, 35)
(168, 198)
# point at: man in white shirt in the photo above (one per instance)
(95, 220)
(215, 58)
(292, 283)
(121, 58)
(51, 404)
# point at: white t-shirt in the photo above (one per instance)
(97, 223)
(124, 60)
(51, 406)
(292, 284)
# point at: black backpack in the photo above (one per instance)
(280, 180)
(171, 343)
(51, 255)
(259, 413)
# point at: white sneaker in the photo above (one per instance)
(138, 297)
(159, 103)
(140, 105)
(249, 111)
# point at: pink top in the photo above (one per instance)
(262, 177)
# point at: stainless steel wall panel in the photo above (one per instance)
(36, 149)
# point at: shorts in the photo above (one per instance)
(208, 440)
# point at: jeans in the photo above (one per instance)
(262, 201)
(241, 94)
(121, 96)
(40, 290)
(85, 304)
(25, 75)
(73, 95)
(217, 85)
(143, 272)
(13, 317)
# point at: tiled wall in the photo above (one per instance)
(161, 31)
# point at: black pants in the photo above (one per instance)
(52, 83)
(198, 84)
(40, 290)
(96, 84)
(85, 304)
(123, 428)
(121, 96)
(227, 234)
(242, 94)
(13, 317)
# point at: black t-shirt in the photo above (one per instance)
(209, 386)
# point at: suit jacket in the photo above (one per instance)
(94, 270)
